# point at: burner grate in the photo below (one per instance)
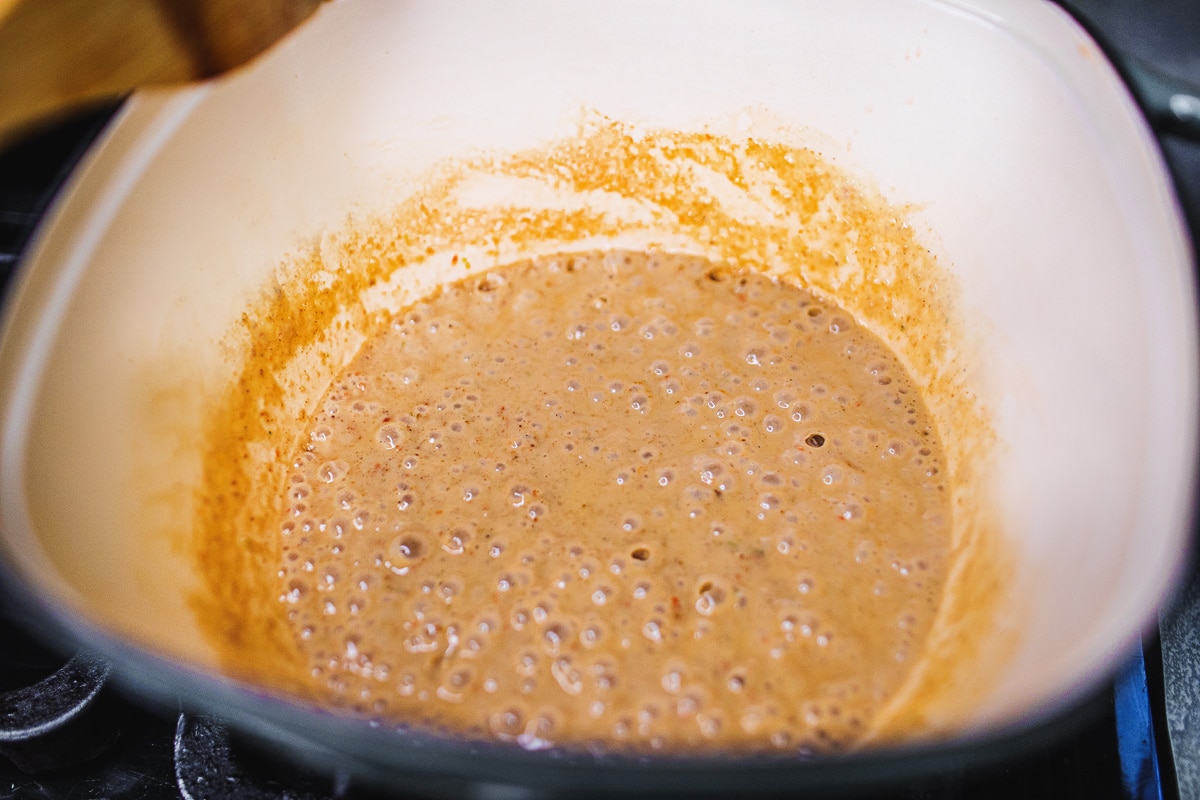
(208, 766)
(60, 721)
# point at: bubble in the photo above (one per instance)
(752, 720)
(527, 664)
(754, 356)
(404, 551)
(619, 323)
(537, 732)
(389, 437)
(449, 589)
(849, 511)
(703, 327)
(554, 636)
(459, 679)
(744, 407)
(455, 541)
(768, 502)
(568, 678)
(710, 596)
(295, 591)
(328, 579)
(519, 619)
(687, 705)
(785, 398)
(710, 472)
(331, 471)
(772, 423)
(591, 635)
(506, 725)
(407, 684)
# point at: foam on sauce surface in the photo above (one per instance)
(634, 499)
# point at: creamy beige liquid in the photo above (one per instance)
(618, 500)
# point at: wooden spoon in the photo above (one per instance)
(60, 54)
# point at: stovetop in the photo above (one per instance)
(65, 732)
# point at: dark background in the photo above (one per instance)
(1166, 34)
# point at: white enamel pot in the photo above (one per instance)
(999, 122)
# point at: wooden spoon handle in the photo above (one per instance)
(64, 53)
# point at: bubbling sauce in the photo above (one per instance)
(622, 501)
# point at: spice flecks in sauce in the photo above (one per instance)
(822, 229)
(577, 499)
